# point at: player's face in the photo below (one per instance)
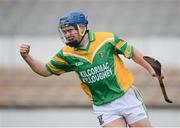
(71, 33)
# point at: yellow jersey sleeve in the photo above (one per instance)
(122, 47)
(58, 65)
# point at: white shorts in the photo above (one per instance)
(130, 107)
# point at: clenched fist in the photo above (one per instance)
(24, 50)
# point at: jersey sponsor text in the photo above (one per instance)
(96, 73)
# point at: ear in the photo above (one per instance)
(82, 28)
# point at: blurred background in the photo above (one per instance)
(27, 99)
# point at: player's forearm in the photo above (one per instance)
(138, 58)
(37, 66)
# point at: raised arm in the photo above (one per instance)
(36, 65)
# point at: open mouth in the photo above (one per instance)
(70, 39)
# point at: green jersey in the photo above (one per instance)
(103, 75)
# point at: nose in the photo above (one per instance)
(67, 34)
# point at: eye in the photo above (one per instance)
(70, 30)
(64, 31)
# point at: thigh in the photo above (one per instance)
(116, 123)
(141, 123)
(135, 110)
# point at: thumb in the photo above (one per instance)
(154, 74)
